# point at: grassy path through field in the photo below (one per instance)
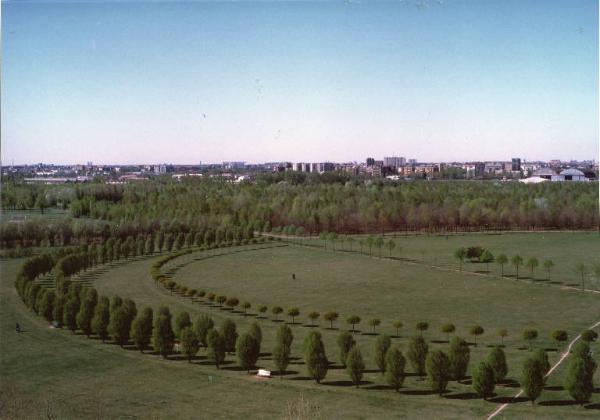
(552, 369)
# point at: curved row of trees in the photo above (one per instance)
(77, 308)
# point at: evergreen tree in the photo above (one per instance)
(532, 379)
(315, 357)
(202, 326)
(101, 318)
(86, 311)
(282, 349)
(247, 349)
(163, 338)
(230, 335)
(438, 370)
(484, 380)
(417, 354)
(189, 343)
(345, 342)
(394, 368)
(141, 329)
(182, 321)
(496, 360)
(355, 365)
(459, 356)
(216, 347)
(382, 345)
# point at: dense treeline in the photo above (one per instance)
(340, 205)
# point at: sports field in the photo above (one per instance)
(46, 369)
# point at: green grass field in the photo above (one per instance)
(77, 377)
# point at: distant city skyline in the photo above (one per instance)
(183, 82)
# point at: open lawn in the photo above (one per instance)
(78, 377)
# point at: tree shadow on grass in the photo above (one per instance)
(595, 406)
(370, 333)
(345, 383)
(234, 368)
(462, 396)
(336, 367)
(420, 392)
(554, 388)
(507, 400)
(371, 371)
(509, 383)
(573, 284)
(558, 403)
(302, 378)
(380, 388)
(439, 341)
(265, 354)
(331, 328)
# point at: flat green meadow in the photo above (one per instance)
(47, 370)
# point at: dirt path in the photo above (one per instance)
(552, 369)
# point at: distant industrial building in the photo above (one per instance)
(516, 164)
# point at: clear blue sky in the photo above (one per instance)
(183, 82)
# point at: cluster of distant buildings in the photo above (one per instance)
(391, 167)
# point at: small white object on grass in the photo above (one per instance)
(263, 373)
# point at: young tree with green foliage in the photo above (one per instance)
(578, 381)
(394, 368)
(345, 342)
(216, 347)
(417, 354)
(496, 360)
(475, 331)
(517, 261)
(397, 325)
(382, 345)
(86, 311)
(548, 264)
(283, 348)
(529, 335)
(246, 305)
(120, 325)
(293, 313)
(57, 311)
(202, 326)
(101, 318)
(182, 321)
(581, 269)
(315, 357)
(560, 336)
(501, 260)
(422, 326)
(486, 257)
(230, 335)
(589, 335)
(484, 380)
(438, 369)
(261, 310)
(541, 356)
(448, 329)
(331, 317)
(532, 379)
(390, 245)
(276, 310)
(459, 356)
(46, 306)
(502, 332)
(141, 329)
(163, 337)
(460, 254)
(247, 349)
(532, 263)
(189, 343)
(313, 316)
(374, 323)
(353, 320)
(355, 366)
